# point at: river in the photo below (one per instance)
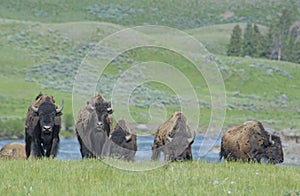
(203, 149)
(69, 148)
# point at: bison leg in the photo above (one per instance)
(38, 150)
(28, 141)
(189, 155)
(155, 152)
(222, 153)
(83, 149)
(54, 147)
(47, 148)
(167, 153)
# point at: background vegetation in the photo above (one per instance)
(43, 44)
(281, 42)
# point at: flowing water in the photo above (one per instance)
(203, 149)
(69, 148)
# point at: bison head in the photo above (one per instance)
(46, 113)
(273, 152)
(103, 109)
(179, 145)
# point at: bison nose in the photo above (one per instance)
(100, 125)
(46, 128)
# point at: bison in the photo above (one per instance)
(42, 126)
(93, 127)
(175, 138)
(251, 142)
(13, 151)
(122, 142)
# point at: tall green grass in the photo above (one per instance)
(92, 177)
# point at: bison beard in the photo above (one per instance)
(42, 127)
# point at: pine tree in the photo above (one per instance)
(269, 43)
(258, 42)
(235, 45)
(248, 41)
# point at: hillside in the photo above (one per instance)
(43, 47)
(175, 13)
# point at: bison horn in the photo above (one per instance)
(270, 139)
(35, 109)
(169, 138)
(61, 107)
(128, 137)
(191, 139)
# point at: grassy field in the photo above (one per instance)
(48, 177)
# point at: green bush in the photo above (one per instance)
(69, 122)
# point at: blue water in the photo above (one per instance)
(69, 148)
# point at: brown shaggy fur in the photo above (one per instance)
(165, 129)
(13, 151)
(120, 148)
(244, 142)
(168, 128)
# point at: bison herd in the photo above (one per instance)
(99, 138)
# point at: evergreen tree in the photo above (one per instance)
(258, 42)
(270, 43)
(248, 41)
(235, 45)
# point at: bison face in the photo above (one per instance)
(46, 113)
(94, 123)
(103, 109)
